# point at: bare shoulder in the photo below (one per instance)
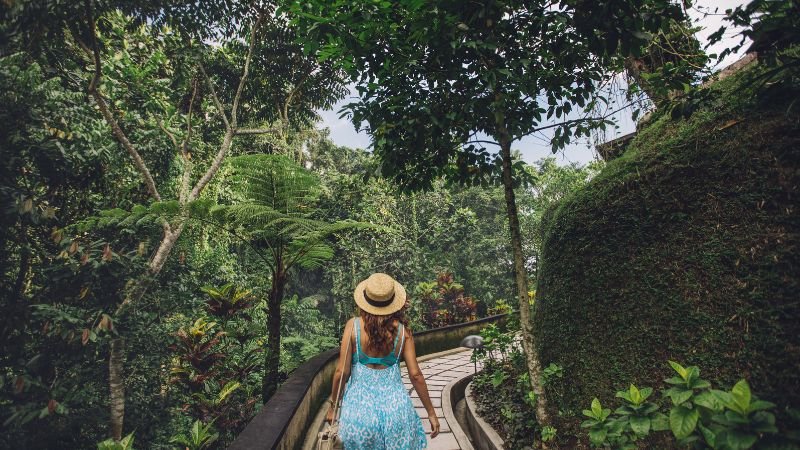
(348, 327)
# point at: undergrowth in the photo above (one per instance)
(501, 391)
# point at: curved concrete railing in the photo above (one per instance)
(284, 419)
(484, 436)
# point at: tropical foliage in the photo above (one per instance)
(443, 302)
(178, 235)
(700, 417)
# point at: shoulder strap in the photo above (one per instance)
(397, 337)
(402, 341)
(357, 331)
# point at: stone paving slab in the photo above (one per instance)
(439, 372)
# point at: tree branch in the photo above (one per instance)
(477, 141)
(138, 161)
(230, 126)
(187, 163)
(246, 72)
(582, 119)
(214, 97)
(295, 89)
(169, 134)
(245, 131)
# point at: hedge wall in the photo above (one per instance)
(684, 248)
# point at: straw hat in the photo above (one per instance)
(380, 295)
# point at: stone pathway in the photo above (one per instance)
(439, 372)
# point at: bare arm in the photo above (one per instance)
(342, 367)
(418, 381)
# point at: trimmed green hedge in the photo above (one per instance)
(684, 248)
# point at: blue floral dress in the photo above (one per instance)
(377, 413)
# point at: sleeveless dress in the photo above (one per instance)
(377, 413)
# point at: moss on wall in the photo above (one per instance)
(684, 248)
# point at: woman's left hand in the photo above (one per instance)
(329, 416)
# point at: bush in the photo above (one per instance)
(688, 245)
(443, 302)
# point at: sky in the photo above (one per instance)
(707, 14)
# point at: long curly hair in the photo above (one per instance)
(382, 330)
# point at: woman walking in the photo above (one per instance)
(376, 411)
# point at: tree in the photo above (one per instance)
(275, 200)
(434, 78)
(187, 191)
(170, 99)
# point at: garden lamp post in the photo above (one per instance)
(473, 341)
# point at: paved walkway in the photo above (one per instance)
(439, 371)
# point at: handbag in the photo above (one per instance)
(328, 438)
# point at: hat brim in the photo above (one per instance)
(396, 304)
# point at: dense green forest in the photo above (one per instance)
(180, 233)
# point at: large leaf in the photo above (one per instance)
(598, 436)
(679, 394)
(708, 400)
(680, 369)
(682, 421)
(640, 425)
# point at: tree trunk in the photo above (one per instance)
(115, 361)
(154, 268)
(521, 279)
(116, 385)
(272, 359)
(24, 268)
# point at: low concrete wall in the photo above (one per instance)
(484, 436)
(283, 422)
(451, 395)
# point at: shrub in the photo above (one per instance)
(443, 302)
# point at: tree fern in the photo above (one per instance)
(275, 202)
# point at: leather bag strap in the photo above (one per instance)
(336, 410)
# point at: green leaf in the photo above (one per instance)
(498, 377)
(708, 400)
(589, 423)
(763, 422)
(759, 405)
(598, 436)
(680, 369)
(741, 395)
(636, 396)
(646, 392)
(735, 440)
(596, 407)
(700, 384)
(682, 421)
(640, 425)
(678, 394)
(708, 435)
